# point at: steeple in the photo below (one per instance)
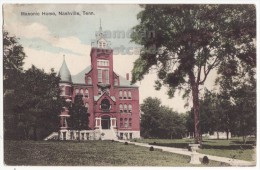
(64, 72)
(100, 37)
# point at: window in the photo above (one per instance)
(129, 95)
(86, 93)
(81, 92)
(130, 122)
(99, 76)
(102, 62)
(130, 108)
(121, 122)
(125, 95)
(77, 91)
(130, 135)
(120, 94)
(62, 90)
(89, 80)
(125, 108)
(115, 82)
(121, 108)
(99, 91)
(86, 105)
(107, 76)
(126, 123)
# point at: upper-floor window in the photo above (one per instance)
(126, 122)
(125, 108)
(77, 91)
(62, 90)
(81, 92)
(107, 76)
(99, 76)
(125, 95)
(120, 94)
(129, 95)
(102, 62)
(130, 122)
(86, 105)
(99, 91)
(121, 108)
(130, 108)
(86, 93)
(115, 82)
(89, 80)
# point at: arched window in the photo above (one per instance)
(89, 80)
(121, 108)
(86, 105)
(120, 94)
(125, 108)
(81, 92)
(115, 82)
(125, 95)
(86, 93)
(76, 91)
(130, 108)
(129, 95)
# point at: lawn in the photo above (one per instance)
(89, 153)
(233, 148)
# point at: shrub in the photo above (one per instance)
(205, 160)
(151, 148)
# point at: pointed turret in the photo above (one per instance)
(64, 72)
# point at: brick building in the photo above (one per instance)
(112, 101)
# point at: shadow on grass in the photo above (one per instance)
(229, 147)
(175, 145)
(206, 146)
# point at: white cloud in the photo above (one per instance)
(37, 30)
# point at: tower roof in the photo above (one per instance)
(64, 72)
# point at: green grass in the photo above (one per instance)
(233, 148)
(89, 153)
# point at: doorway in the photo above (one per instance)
(105, 122)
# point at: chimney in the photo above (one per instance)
(127, 76)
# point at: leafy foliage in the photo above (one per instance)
(159, 121)
(35, 105)
(190, 41)
(78, 115)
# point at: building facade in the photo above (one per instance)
(112, 101)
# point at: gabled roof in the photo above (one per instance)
(125, 83)
(80, 77)
(64, 72)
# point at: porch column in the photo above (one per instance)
(98, 123)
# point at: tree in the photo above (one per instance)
(238, 87)
(186, 42)
(78, 115)
(158, 121)
(35, 104)
(150, 117)
(13, 60)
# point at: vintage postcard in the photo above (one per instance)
(164, 85)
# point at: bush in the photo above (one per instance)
(151, 148)
(205, 160)
(126, 143)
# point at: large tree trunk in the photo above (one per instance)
(227, 131)
(195, 100)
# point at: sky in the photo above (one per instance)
(46, 38)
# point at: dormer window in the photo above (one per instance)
(89, 81)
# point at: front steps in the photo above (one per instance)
(108, 134)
